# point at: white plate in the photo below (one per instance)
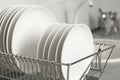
(1, 13)
(27, 30)
(3, 23)
(43, 46)
(6, 11)
(48, 41)
(47, 44)
(6, 14)
(12, 24)
(42, 41)
(1, 16)
(77, 45)
(6, 25)
(11, 29)
(60, 43)
(59, 48)
(53, 45)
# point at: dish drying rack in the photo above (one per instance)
(32, 68)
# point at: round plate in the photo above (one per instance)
(25, 31)
(59, 48)
(7, 13)
(77, 45)
(2, 13)
(3, 17)
(43, 46)
(42, 41)
(46, 45)
(12, 24)
(48, 41)
(11, 29)
(53, 45)
(6, 24)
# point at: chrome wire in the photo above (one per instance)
(13, 67)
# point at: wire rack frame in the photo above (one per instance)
(13, 67)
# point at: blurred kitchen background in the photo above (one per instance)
(94, 14)
(73, 11)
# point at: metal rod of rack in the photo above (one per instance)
(25, 68)
(97, 53)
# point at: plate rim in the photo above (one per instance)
(78, 25)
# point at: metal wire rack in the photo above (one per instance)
(13, 67)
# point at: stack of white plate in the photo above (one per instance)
(21, 27)
(66, 43)
(33, 31)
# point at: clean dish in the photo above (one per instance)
(44, 45)
(49, 39)
(53, 45)
(6, 11)
(59, 48)
(42, 41)
(26, 29)
(77, 45)
(1, 15)
(11, 29)
(12, 24)
(2, 12)
(9, 16)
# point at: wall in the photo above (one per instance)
(111, 5)
(105, 5)
(94, 14)
(70, 11)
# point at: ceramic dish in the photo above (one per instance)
(11, 29)
(44, 45)
(25, 30)
(53, 45)
(1, 15)
(6, 24)
(58, 50)
(43, 39)
(2, 12)
(48, 41)
(6, 11)
(77, 45)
